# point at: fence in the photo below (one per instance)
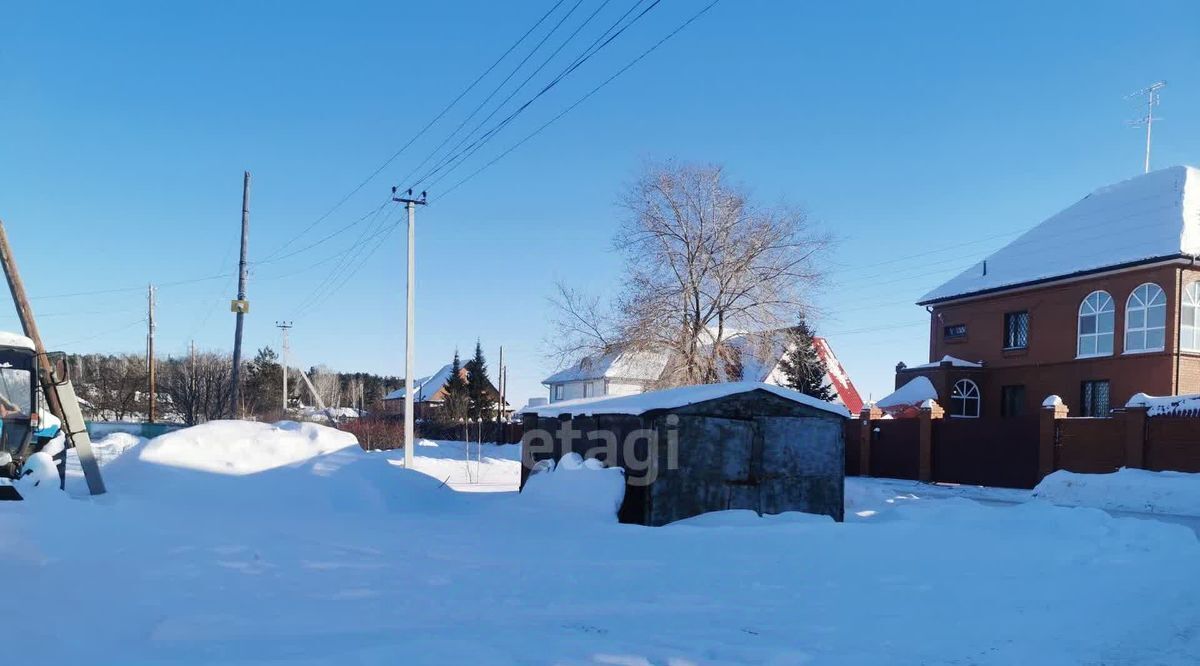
(1017, 452)
(387, 432)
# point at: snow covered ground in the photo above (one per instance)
(345, 557)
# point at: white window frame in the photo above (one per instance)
(587, 389)
(1096, 309)
(1142, 299)
(970, 387)
(558, 391)
(1189, 340)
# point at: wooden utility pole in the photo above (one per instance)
(500, 394)
(69, 414)
(240, 306)
(151, 366)
(25, 314)
(192, 383)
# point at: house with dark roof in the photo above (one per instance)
(1097, 303)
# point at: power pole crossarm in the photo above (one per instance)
(410, 205)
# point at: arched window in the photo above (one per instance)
(964, 400)
(1096, 325)
(1189, 318)
(1146, 319)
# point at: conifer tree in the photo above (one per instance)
(803, 368)
(457, 401)
(478, 387)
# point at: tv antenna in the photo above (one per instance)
(1151, 94)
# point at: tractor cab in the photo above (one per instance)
(24, 426)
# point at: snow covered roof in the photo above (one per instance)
(643, 366)
(1152, 216)
(917, 390)
(15, 340)
(426, 387)
(952, 360)
(676, 397)
(838, 379)
(1169, 405)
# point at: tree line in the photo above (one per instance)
(198, 387)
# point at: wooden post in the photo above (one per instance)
(25, 313)
(929, 411)
(235, 406)
(1135, 419)
(151, 370)
(869, 414)
(1053, 409)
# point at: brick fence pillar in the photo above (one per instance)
(929, 411)
(1135, 436)
(869, 413)
(1053, 409)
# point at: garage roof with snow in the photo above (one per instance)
(676, 397)
(1151, 217)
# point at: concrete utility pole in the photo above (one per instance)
(240, 306)
(283, 326)
(1151, 94)
(151, 374)
(410, 205)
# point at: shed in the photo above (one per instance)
(695, 449)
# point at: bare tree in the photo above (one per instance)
(328, 385)
(702, 263)
(199, 388)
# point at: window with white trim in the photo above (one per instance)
(1189, 318)
(964, 399)
(1146, 319)
(1096, 316)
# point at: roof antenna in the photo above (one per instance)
(1147, 121)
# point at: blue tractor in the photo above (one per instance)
(26, 426)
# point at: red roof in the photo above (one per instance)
(838, 379)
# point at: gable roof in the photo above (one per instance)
(640, 366)
(641, 403)
(838, 379)
(425, 387)
(1151, 217)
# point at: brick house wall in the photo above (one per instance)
(1048, 365)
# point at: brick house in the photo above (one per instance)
(1095, 304)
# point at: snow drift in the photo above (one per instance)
(1135, 490)
(243, 447)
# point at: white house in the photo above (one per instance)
(619, 373)
(629, 373)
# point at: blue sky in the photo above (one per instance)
(923, 135)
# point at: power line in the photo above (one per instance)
(379, 226)
(493, 93)
(581, 100)
(453, 161)
(420, 133)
